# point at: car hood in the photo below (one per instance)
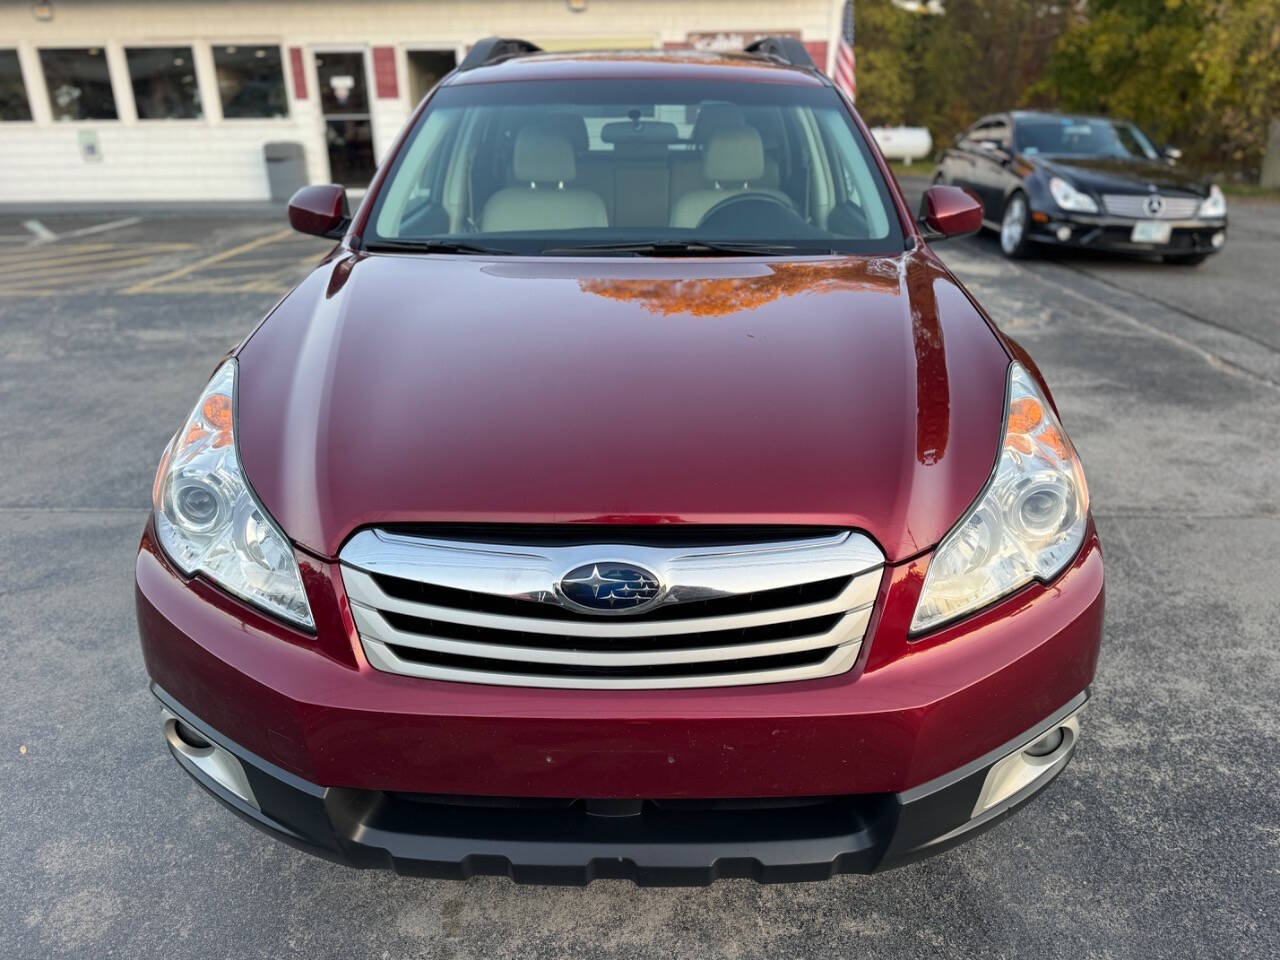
(1119, 175)
(863, 392)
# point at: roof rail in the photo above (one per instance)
(787, 49)
(495, 49)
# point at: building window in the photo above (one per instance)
(250, 81)
(164, 83)
(13, 93)
(79, 84)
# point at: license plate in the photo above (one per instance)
(1151, 231)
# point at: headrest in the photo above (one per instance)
(716, 116)
(543, 156)
(571, 126)
(769, 123)
(735, 155)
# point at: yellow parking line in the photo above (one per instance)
(148, 285)
(96, 252)
(54, 255)
(70, 270)
(228, 267)
(203, 285)
(101, 261)
(50, 252)
(58, 250)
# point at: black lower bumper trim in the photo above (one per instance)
(1113, 237)
(667, 843)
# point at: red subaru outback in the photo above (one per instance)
(631, 492)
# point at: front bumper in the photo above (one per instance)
(339, 755)
(1113, 235)
(653, 843)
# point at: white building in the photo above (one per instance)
(175, 99)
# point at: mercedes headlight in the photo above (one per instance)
(1028, 523)
(209, 521)
(1069, 198)
(1214, 205)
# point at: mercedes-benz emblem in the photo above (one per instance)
(1153, 205)
(610, 587)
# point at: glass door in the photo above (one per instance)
(344, 101)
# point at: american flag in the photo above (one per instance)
(846, 65)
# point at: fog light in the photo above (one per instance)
(1218, 240)
(1050, 742)
(1029, 766)
(198, 754)
(1064, 234)
(190, 737)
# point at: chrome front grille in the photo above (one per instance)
(1135, 205)
(727, 614)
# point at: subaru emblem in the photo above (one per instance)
(610, 587)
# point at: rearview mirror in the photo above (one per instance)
(949, 212)
(320, 210)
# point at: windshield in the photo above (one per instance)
(634, 166)
(1098, 138)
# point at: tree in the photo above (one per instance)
(943, 72)
(886, 75)
(1202, 73)
(1239, 60)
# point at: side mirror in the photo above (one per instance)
(949, 212)
(1171, 153)
(320, 210)
(996, 150)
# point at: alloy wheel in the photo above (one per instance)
(1013, 226)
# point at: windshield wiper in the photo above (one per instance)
(687, 248)
(432, 246)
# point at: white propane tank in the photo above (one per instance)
(907, 144)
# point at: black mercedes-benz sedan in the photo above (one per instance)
(1049, 179)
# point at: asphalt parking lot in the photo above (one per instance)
(1162, 839)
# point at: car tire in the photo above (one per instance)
(1015, 224)
(1186, 259)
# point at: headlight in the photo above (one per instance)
(1214, 205)
(1027, 524)
(209, 521)
(1069, 198)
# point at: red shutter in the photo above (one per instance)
(384, 72)
(299, 78)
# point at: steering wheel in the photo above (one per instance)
(742, 204)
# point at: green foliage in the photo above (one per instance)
(1134, 63)
(1202, 74)
(944, 72)
(1239, 62)
(886, 74)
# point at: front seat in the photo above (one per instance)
(543, 164)
(732, 160)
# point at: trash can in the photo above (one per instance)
(286, 169)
